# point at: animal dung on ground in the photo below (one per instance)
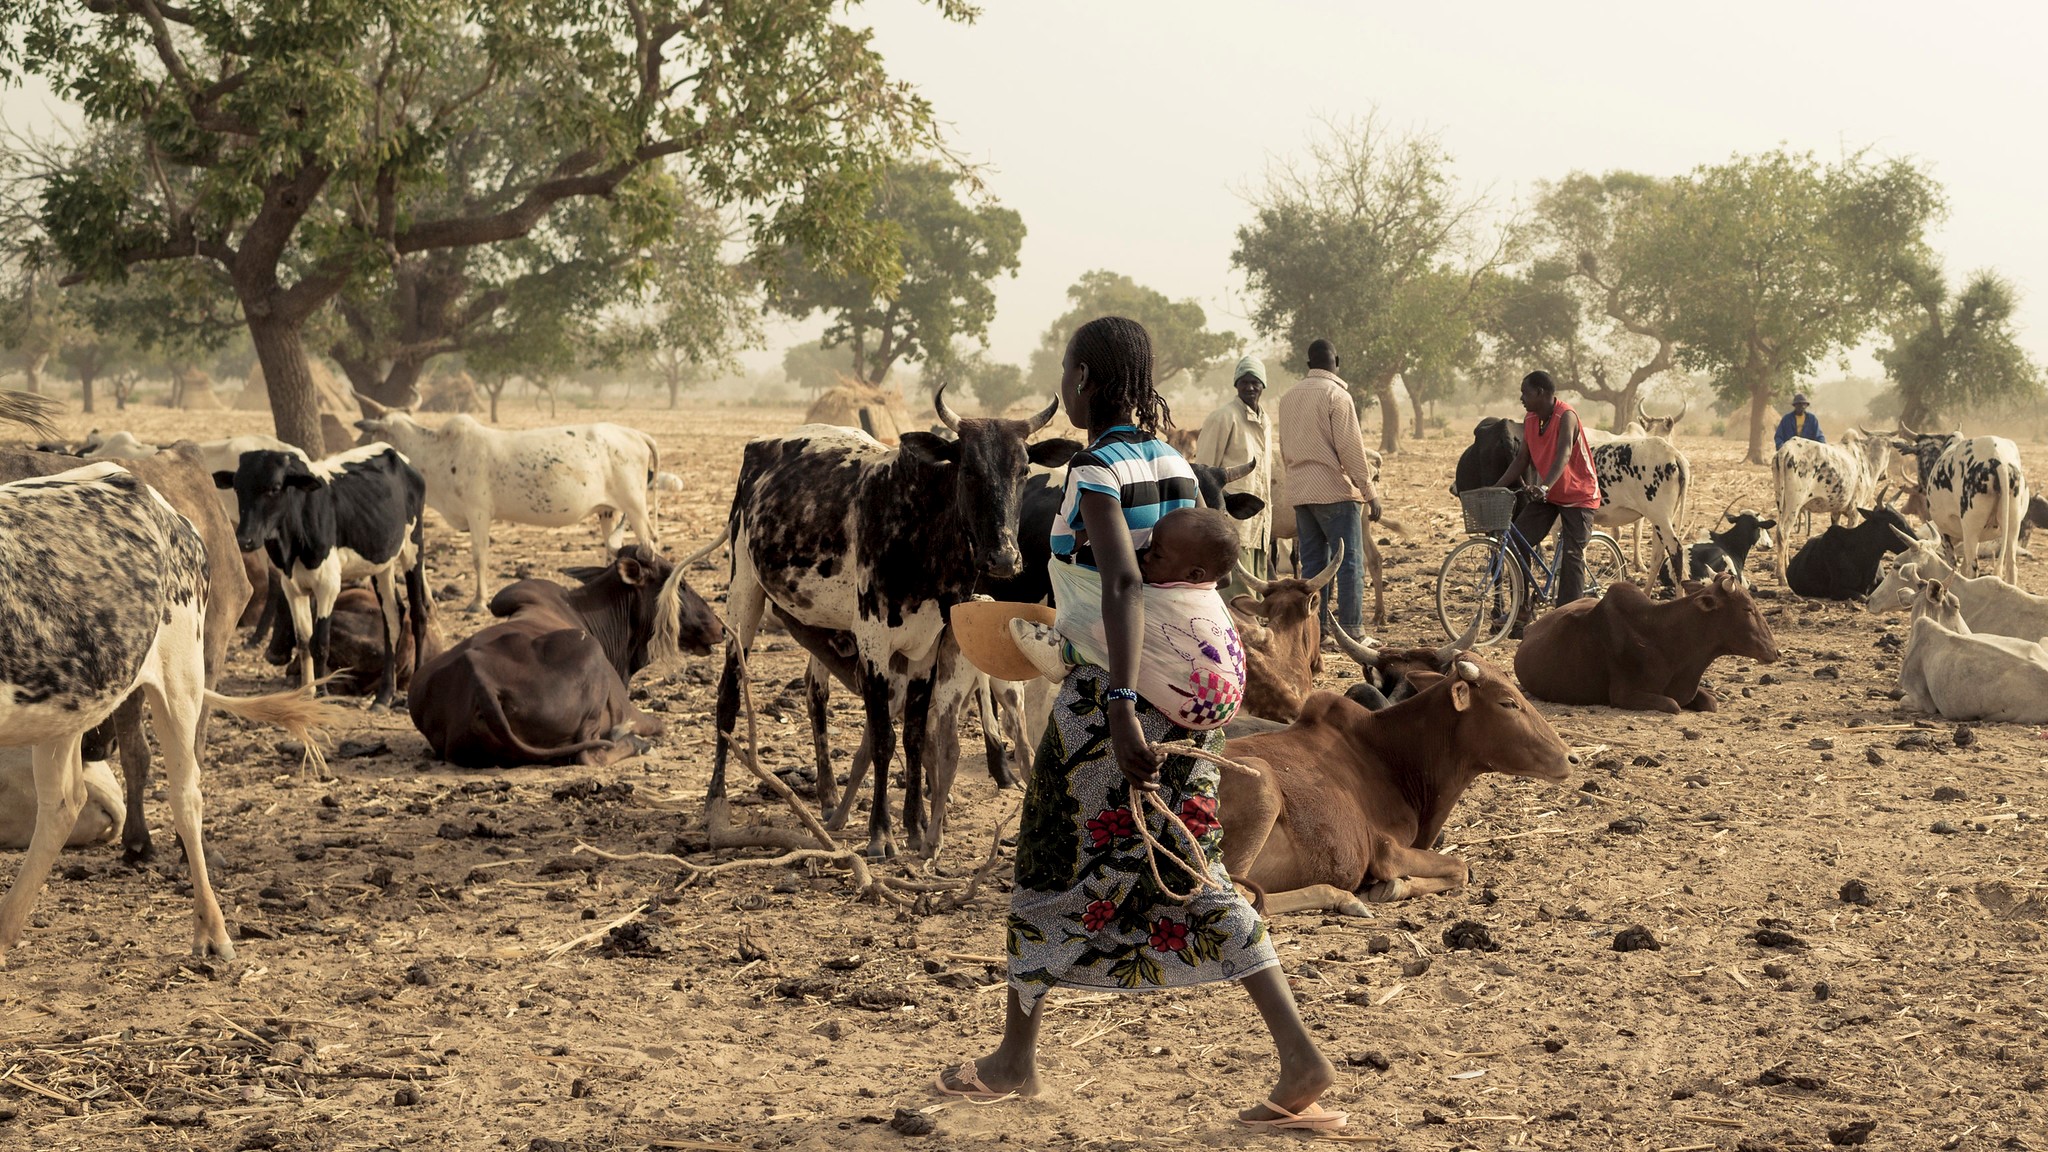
(1776, 938)
(1850, 1134)
(1629, 825)
(1947, 794)
(1943, 828)
(1856, 892)
(1636, 938)
(1471, 935)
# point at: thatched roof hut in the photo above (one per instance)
(451, 392)
(877, 411)
(333, 394)
(195, 393)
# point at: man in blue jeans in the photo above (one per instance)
(1329, 481)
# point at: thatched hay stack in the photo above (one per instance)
(451, 392)
(877, 411)
(333, 394)
(196, 394)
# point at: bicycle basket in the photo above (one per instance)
(1488, 509)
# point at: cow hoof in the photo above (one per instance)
(1353, 908)
(473, 607)
(138, 856)
(1383, 891)
(880, 848)
(640, 746)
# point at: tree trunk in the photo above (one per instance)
(1390, 415)
(1759, 415)
(85, 389)
(32, 372)
(675, 389)
(1415, 402)
(1914, 412)
(294, 403)
(493, 393)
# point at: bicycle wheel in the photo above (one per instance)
(1604, 564)
(1479, 578)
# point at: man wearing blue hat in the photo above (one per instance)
(1799, 422)
(1237, 432)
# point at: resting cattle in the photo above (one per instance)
(175, 473)
(1988, 603)
(1728, 549)
(355, 644)
(103, 594)
(1644, 478)
(1976, 490)
(102, 818)
(547, 477)
(843, 534)
(1958, 675)
(1349, 802)
(550, 684)
(1839, 479)
(1628, 651)
(2037, 517)
(1386, 674)
(1283, 639)
(1842, 563)
(351, 516)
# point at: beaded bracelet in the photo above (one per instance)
(1115, 694)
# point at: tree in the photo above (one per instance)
(948, 252)
(1179, 328)
(995, 385)
(296, 153)
(816, 368)
(1949, 354)
(1369, 246)
(1786, 262)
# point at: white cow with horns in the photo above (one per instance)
(547, 477)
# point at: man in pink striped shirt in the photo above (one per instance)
(1329, 478)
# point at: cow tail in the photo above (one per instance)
(309, 720)
(493, 715)
(416, 592)
(2010, 509)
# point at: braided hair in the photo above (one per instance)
(1118, 353)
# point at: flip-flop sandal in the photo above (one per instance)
(976, 1091)
(1309, 1119)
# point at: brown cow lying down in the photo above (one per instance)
(1348, 801)
(548, 684)
(105, 811)
(1283, 639)
(1628, 651)
(355, 645)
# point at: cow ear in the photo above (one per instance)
(1767, 525)
(301, 480)
(928, 447)
(1052, 453)
(630, 570)
(1243, 505)
(1461, 695)
(223, 479)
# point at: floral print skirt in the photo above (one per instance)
(1086, 912)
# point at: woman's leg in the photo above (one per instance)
(1013, 1066)
(1304, 1072)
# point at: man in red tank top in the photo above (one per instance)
(1555, 448)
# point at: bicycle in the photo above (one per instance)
(1484, 578)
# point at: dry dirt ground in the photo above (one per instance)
(422, 961)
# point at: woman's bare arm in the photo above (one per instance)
(1123, 621)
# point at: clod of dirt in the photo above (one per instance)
(1590, 786)
(1377, 1061)
(420, 976)
(359, 749)
(1777, 971)
(579, 1088)
(1946, 794)
(1776, 938)
(1636, 938)
(1470, 934)
(1874, 756)
(1775, 1075)
(1415, 968)
(406, 1097)
(1554, 1045)
(1821, 991)
(1855, 892)
(1827, 672)
(1648, 761)
(1820, 743)
(588, 789)
(1943, 828)
(543, 1144)
(910, 1122)
(846, 963)
(1689, 733)
(1914, 741)
(1629, 825)
(287, 1052)
(1379, 945)
(634, 938)
(248, 931)
(1767, 679)
(1849, 1134)
(1965, 736)
(881, 998)
(176, 1118)
(830, 1030)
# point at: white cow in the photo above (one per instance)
(1645, 478)
(1949, 671)
(1833, 478)
(101, 820)
(1975, 490)
(1988, 603)
(548, 477)
(120, 446)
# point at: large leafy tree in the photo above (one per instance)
(1367, 243)
(1787, 261)
(1593, 305)
(949, 253)
(1181, 339)
(1956, 351)
(301, 151)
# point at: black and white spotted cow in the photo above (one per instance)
(354, 515)
(1644, 478)
(1837, 479)
(103, 592)
(845, 534)
(1975, 491)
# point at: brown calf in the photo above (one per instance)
(1628, 651)
(1348, 801)
(1283, 640)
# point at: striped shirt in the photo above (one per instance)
(1143, 472)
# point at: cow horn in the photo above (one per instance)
(1238, 472)
(1725, 518)
(1449, 652)
(1468, 670)
(1684, 407)
(947, 416)
(370, 406)
(1911, 541)
(1642, 413)
(1322, 579)
(1365, 655)
(1248, 580)
(1043, 418)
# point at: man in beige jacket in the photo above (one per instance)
(1236, 433)
(1328, 479)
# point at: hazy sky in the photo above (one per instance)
(1125, 132)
